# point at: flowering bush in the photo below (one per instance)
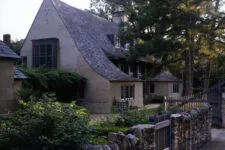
(45, 125)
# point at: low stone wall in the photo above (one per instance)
(190, 130)
(140, 137)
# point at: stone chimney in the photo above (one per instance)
(119, 15)
(7, 38)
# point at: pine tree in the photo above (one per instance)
(185, 30)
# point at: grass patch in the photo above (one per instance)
(121, 124)
(99, 140)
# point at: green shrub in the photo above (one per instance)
(153, 99)
(98, 139)
(45, 125)
(66, 85)
(101, 130)
(121, 124)
(26, 94)
(134, 117)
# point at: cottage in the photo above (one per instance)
(10, 79)
(65, 37)
(165, 84)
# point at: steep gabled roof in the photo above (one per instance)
(6, 52)
(18, 74)
(89, 33)
(166, 77)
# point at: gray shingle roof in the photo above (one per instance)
(89, 33)
(166, 77)
(18, 74)
(6, 52)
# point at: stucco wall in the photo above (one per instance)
(7, 102)
(161, 88)
(170, 88)
(138, 95)
(166, 89)
(17, 84)
(48, 24)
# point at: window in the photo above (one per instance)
(176, 88)
(45, 53)
(127, 92)
(124, 66)
(152, 88)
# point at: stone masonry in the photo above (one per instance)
(189, 131)
(223, 110)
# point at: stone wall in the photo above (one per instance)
(189, 131)
(140, 137)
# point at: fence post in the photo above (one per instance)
(165, 104)
(175, 130)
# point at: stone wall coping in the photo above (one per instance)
(142, 126)
(175, 115)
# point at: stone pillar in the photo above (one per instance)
(146, 135)
(223, 109)
(7, 102)
(175, 130)
(7, 39)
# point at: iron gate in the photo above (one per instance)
(214, 96)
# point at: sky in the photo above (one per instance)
(16, 16)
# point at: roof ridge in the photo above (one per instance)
(165, 76)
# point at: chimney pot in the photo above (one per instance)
(7, 39)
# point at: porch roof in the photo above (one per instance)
(165, 77)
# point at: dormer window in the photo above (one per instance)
(117, 41)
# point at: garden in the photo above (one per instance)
(46, 120)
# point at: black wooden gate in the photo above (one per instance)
(162, 131)
(212, 96)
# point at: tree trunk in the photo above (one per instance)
(188, 76)
(208, 71)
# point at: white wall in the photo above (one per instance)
(166, 89)
(170, 90)
(161, 88)
(138, 95)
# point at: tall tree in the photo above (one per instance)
(183, 30)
